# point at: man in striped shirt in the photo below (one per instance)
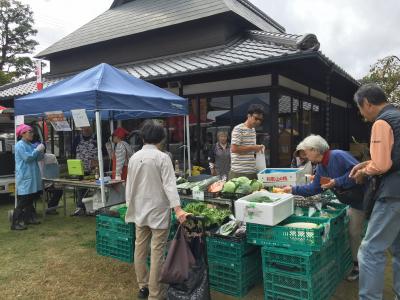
(243, 144)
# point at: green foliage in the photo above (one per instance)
(5, 77)
(16, 42)
(386, 73)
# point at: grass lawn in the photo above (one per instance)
(57, 260)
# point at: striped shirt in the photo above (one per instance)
(123, 152)
(243, 163)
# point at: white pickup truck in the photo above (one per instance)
(7, 164)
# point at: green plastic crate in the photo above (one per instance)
(235, 279)
(106, 223)
(337, 220)
(297, 262)
(228, 248)
(116, 246)
(318, 286)
(290, 237)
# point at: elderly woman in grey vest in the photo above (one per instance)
(219, 157)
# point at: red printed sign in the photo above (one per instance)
(277, 179)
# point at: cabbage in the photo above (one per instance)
(244, 189)
(256, 185)
(242, 180)
(229, 187)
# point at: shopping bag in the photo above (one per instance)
(260, 161)
(179, 260)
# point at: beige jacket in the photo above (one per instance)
(150, 188)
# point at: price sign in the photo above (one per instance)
(80, 118)
(198, 195)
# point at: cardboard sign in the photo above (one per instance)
(19, 120)
(80, 118)
(58, 121)
(198, 195)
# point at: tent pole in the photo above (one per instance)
(15, 181)
(184, 146)
(100, 157)
(188, 145)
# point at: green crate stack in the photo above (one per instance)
(343, 253)
(226, 248)
(337, 218)
(286, 286)
(114, 238)
(235, 278)
(308, 239)
(294, 262)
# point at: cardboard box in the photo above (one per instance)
(264, 213)
(282, 176)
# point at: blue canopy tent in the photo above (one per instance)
(105, 88)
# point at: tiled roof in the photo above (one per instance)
(254, 47)
(139, 16)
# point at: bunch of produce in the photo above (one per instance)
(216, 186)
(212, 215)
(180, 180)
(186, 185)
(203, 185)
(242, 185)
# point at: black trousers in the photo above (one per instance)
(25, 209)
(55, 196)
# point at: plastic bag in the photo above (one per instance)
(196, 287)
(260, 161)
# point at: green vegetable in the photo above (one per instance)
(229, 187)
(241, 180)
(261, 199)
(244, 188)
(212, 215)
(256, 185)
(180, 180)
(228, 228)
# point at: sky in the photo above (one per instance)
(354, 34)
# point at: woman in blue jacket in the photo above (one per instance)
(332, 172)
(27, 177)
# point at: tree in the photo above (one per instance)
(16, 30)
(386, 73)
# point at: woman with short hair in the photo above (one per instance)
(220, 156)
(332, 172)
(150, 195)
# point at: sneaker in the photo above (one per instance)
(18, 227)
(353, 275)
(51, 212)
(78, 212)
(143, 293)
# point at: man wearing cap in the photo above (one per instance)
(28, 178)
(121, 155)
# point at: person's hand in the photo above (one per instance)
(287, 189)
(181, 215)
(260, 148)
(358, 167)
(329, 184)
(117, 177)
(359, 176)
(40, 148)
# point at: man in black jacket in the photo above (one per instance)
(384, 225)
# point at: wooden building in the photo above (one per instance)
(223, 55)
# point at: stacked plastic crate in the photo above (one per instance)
(234, 265)
(303, 263)
(115, 238)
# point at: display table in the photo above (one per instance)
(65, 183)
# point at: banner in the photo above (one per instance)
(39, 83)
